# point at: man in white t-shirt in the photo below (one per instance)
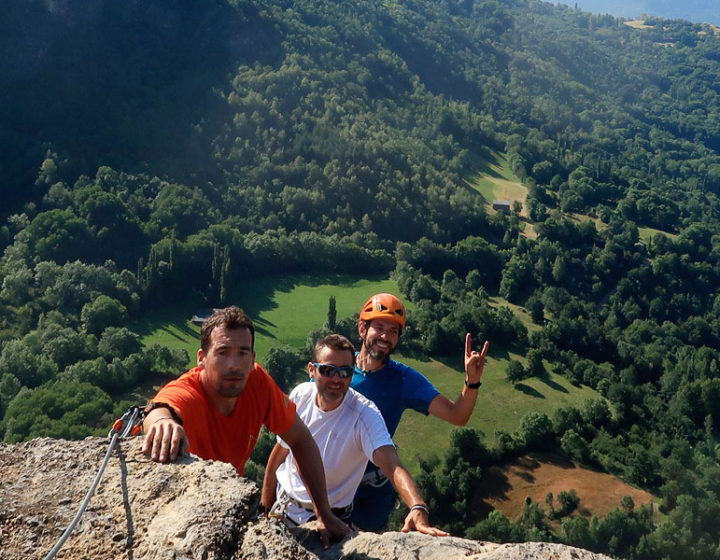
(349, 430)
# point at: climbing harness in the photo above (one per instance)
(279, 509)
(128, 425)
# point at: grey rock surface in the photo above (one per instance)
(192, 509)
(141, 509)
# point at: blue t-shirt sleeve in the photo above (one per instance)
(418, 392)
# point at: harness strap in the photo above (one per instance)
(279, 508)
(374, 477)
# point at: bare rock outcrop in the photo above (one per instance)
(156, 511)
(192, 509)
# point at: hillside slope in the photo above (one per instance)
(162, 152)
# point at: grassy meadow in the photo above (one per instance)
(647, 233)
(500, 406)
(287, 309)
(495, 180)
(284, 311)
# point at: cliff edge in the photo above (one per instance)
(192, 509)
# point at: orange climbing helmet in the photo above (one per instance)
(384, 306)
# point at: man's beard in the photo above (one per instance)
(231, 392)
(376, 353)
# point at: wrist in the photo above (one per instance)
(475, 385)
(160, 417)
(155, 405)
(421, 507)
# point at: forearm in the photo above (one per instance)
(464, 406)
(456, 412)
(158, 410)
(386, 458)
(419, 515)
(405, 486)
(277, 456)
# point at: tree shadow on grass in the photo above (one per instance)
(526, 464)
(529, 391)
(545, 378)
(483, 161)
(254, 298)
(173, 322)
(182, 332)
(552, 459)
(493, 486)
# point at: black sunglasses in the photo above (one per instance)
(329, 370)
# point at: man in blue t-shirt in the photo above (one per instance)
(394, 387)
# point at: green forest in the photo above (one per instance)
(157, 151)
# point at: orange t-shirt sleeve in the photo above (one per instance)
(281, 410)
(180, 393)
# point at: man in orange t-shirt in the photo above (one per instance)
(216, 411)
(261, 402)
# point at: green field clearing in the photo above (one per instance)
(500, 406)
(497, 181)
(285, 310)
(637, 24)
(582, 218)
(647, 233)
(520, 312)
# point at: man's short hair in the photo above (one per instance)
(334, 342)
(229, 318)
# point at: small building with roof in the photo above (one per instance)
(200, 315)
(501, 206)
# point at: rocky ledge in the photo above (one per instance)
(192, 509)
